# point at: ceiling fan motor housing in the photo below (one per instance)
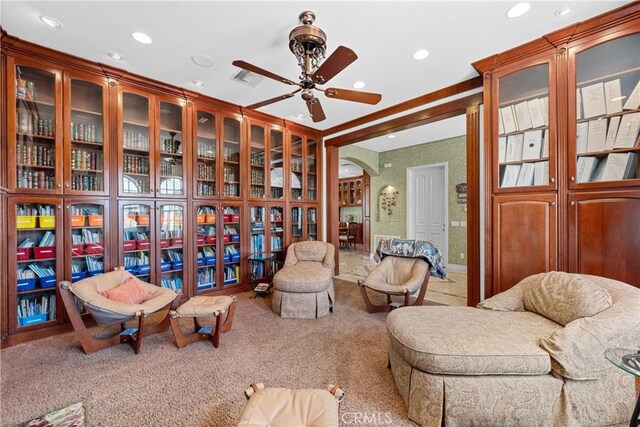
(308, 43)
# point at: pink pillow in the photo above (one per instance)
(129, 292)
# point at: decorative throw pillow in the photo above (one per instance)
(564, 297)
(129, 292)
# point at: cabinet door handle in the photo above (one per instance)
(573, 203)
(59, 207)
(59, 186)
(552, 179)
(573, 178)
(552, 203)
(67, 185)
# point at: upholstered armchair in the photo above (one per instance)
(303, 288)
(532, 355)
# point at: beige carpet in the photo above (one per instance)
(203, 386)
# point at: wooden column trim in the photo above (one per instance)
(445, 92)
(473, 206)
(333, 210)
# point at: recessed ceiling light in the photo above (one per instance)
(420, 54)
(142, 38)
(52, 22)
(299, 116)
(202, 60)
(359, 85)
(563, 11)
(391, 136)
(518, 10)
(198, 83)
(116, 55)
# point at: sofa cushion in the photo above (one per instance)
(305, 276)
(564, 297)
(468, 341)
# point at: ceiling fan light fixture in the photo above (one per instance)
(518, 10)
(299, 116)
(420, 54)
(359, 85)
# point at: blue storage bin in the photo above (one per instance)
(78, 276)
(227, 258)
(32, 320)
(210, 260)
(144, 269)
(235, 237)
(95, 273)
(235, 257)
(131, 269)
(26, 284)
(201, 262)
(176, 265)
(165, 266)
(48, 282)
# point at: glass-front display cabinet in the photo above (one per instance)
(36, 262)
(524, 146)
(86, 223)
(171, 263)
(205, 155)
(258, 224)
(86, 120)
(206, 241)
(312, 169)
(277, 236)
(296, 173)
(297, 226)
(232, 243)
(257, 162)
(135, 145)
(312, 224)
(137, 226)
(231, 157)
(603, 143)
(172, 150)
(34, 150)
(276, 160)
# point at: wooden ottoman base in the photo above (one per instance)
(221, 308)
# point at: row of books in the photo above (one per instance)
(206, 150)
(174, 283)
(36, 155)
(230, 230)
(87, 236)
(206, 171)
(604, 98)
(135, 235)
(206, 210)
(36, 179)
(608, 134)
(230, 250)
(41, 210)
(139, 258)
(25, 273)
(171, 255)
(525, 175)
(207, 230)
(231, 274)
(257, 244)
(91, 263)
(207, 251)
(524, 115)
(48, 239)
(276, 243)
(529, 145)
(206, 278)
(33, 305)
(85, 210)
(613, 167)
(42, 271)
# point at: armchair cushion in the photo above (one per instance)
(398, 276)
(311, 251)
(564, 297)
(304, 277)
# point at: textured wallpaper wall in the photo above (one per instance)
(451, 150)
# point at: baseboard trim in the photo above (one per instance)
(457, 268)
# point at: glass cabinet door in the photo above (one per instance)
(297, 178)
(86, 134)
(36, 268)
(312, 224)
(232, 245)
(136, 243)
(296, 224)
(524, 135)
(258, 162)
(172, 148)
(312, 169)
(136, 157)
(276, 223)
(231, 156)
(87, 240)
(276, 158)
(35, 135)
(607, 112)
(171, 246)
(206, 256)
(258, 234)
(206, 154)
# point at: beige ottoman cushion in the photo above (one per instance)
(305, 276)
(205, 306)
(280, 407)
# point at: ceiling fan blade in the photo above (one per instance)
(263, 72)
(353, 95)
(272, 100)
(315, 109)
(336, 62)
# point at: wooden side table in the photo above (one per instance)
(628, 360)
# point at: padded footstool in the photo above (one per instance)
(285, 407)
(196, 307)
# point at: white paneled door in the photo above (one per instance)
(427, 205)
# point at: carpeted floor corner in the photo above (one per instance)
(203, 386)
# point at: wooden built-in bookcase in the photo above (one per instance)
(106, 169)
(562, 123)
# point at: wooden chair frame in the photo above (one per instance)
(183, 339)
(91, 344)
(374, 308)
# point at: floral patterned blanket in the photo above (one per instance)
(424, 249)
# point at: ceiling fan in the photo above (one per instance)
(308, 44)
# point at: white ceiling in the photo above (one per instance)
(348, 169)
(383, 34)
